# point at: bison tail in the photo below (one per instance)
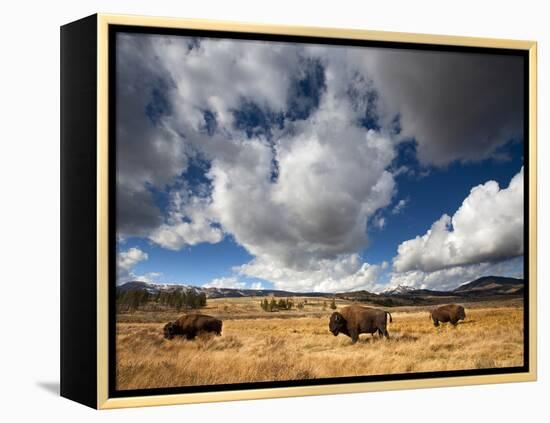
(389, 314)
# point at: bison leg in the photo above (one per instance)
(436, 322)
(354, 336)
(454, 322)
(386, 334)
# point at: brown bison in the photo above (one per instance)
(354, 320)
(191, 325)
(448, 313)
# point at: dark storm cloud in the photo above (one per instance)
(457, 106)
(148, 153)
(136, 213)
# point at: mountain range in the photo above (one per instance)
(212, 292)
(482, 288)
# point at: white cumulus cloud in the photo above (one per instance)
(331, 178)
(226, 282)
(451, 278)
(256, 285)
(346, 273)
(127, 260)
(400, 206)
(488, 227)
(189, 222)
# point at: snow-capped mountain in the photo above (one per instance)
(398, 290)
(154, 288)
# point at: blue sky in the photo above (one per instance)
(317, 168)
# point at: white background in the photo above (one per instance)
(29, 210)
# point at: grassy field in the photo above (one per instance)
(259, 346)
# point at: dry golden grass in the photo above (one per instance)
(285, 348)
(237, 308)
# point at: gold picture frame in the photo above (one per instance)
(100, 24)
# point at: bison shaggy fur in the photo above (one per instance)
(448, 313)
(354, 320)
(191, 325)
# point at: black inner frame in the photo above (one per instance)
(112, 32)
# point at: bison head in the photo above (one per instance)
(169, 331)
(337, 323)
(461, 314)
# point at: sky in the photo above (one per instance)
(304, 167)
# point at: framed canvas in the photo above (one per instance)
(255, 211)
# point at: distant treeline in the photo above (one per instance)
(274, 305)
(132, 300)
(288, 304)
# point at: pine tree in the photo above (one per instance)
(202, 299)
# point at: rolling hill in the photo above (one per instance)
(212, 292)
(492, 285)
